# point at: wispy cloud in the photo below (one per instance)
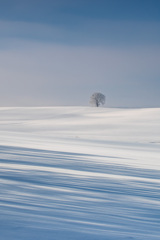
(87, 32)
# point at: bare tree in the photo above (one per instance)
(97, 99)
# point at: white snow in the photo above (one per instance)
(79, 173)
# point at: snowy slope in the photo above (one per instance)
(79, 172)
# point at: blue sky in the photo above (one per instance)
(60, 52)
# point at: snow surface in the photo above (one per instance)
(79, 173)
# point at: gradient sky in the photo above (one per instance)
(58, 52)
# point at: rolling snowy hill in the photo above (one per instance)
(79, 173)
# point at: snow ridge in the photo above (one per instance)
(73, 173)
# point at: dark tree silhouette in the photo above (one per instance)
(97, 99)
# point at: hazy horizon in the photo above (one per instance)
(54, 53)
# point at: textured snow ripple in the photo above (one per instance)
(70, 196)
(73, 173)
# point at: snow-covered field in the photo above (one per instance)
(78, 173)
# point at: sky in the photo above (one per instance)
(59, 52)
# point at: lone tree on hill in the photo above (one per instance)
(97, 99)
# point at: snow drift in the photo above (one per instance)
(76, 172)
